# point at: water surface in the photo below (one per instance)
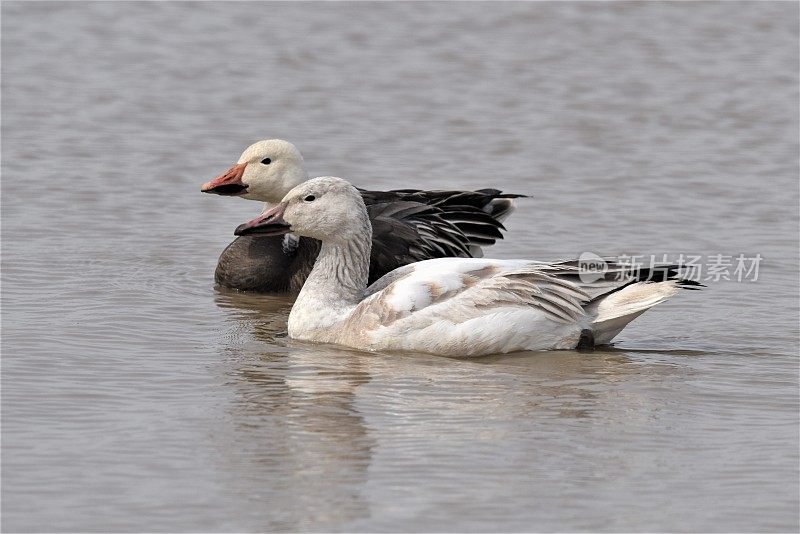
(137, 397)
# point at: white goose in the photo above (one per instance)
(447, 306)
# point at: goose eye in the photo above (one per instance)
(310, 198)
(266, 161)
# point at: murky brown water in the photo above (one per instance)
(136, 397)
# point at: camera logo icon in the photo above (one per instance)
(591, 267)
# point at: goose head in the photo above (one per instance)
(328, 209)
(266, 171)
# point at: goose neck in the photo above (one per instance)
(341, 272)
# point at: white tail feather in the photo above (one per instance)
(614, 312)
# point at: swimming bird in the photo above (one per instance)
(447, 306)
(409, 225)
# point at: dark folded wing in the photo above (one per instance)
(406, 232)
(476, 215)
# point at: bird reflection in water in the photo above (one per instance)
(296, 432)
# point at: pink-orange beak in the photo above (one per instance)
(268, 223)
(229, 183)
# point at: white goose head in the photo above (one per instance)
(328, 209)
(266, 171)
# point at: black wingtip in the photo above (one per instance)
(692, 285)
(497, 193)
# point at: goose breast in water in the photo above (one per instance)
(409, 225)
(448, 306)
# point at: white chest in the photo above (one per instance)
(314, 321)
